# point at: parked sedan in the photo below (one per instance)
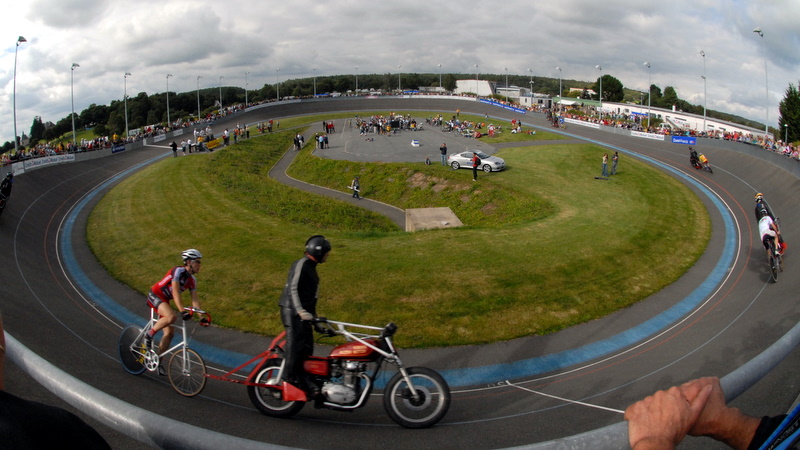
(463, 160)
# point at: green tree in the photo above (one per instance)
(37, 130)
(670, 97)
(449, 82)
(789, 120)
(612, 88)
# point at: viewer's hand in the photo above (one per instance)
(663, 419)
(305, 315)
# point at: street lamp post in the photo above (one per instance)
(198, 97)
(72, 95)
(277, 86)
(705, 92)
(477, 89)
(506, 69)
(315, 82)
(125, 78)
(399, 90)
(245, 90)
(599, 111)
(785, 133)
(16, 141)
(560, 91)
(649, 92)
(169, 122)
(220, 92)
(766, 84)
(440, 77)
(356, 80)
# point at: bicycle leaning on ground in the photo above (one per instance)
(186, 369)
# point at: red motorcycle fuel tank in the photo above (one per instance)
(356, 350)
(317, 366)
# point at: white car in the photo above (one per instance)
(463, 160)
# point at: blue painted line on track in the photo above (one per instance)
(467, 376)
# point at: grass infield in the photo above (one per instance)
(546, 245)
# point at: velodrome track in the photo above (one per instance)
(712, 334)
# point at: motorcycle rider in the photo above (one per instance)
(298, 304)
(693, 160)
(763, 209)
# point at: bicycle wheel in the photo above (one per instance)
(773, 267)
(187, 372)
(132, 349)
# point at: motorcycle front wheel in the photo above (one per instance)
(270, 400)
(424, 410)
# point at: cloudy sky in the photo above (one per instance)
(288, 39)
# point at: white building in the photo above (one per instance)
(483, 88)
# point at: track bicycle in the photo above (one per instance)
(775, 260)
(186, 369)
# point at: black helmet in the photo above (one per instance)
(317, 246)
(9, 175)
(762, 213)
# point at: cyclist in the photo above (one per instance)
(703, 161)
(769, 231)
(762, 207)
(171, 287)
(298, 304)
(6, 184)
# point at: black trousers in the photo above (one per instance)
(299, 343)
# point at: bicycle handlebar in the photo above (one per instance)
(205, 320)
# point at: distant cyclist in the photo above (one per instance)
(769, 232)
(177, 280)
(6, 185)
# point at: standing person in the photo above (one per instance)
(356, 187)
(183, 147)
(298, 304)
(174, 149)
(443, 151)
(614, 161)
(28, 424)
(475, 163)
(605, 165)
(171, 287)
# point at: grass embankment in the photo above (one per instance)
(547, 246)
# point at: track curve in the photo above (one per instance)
(737, 318)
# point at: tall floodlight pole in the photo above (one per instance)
(198, 97)
(506, 69)
(600, 111)
(125, 78)
(356, 80)
(72, 95)
(560, 91)
(705, 92)
(169, 122)
(440, 76)
(477, 89)
(399, 90)
(277, 86)
(766, 83)
(16, 143)
(785, 133)
(315, 82)
(220, 92)
(649, 91)
(245, 90)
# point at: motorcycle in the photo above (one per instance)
(415, 397)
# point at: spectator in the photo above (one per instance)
(443, 151)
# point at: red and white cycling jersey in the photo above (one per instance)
(163, 289)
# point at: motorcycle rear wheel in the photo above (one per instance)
(426, 410)
(268, 400)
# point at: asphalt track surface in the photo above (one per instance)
(720, 314)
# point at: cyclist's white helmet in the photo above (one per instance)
(191, 254)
